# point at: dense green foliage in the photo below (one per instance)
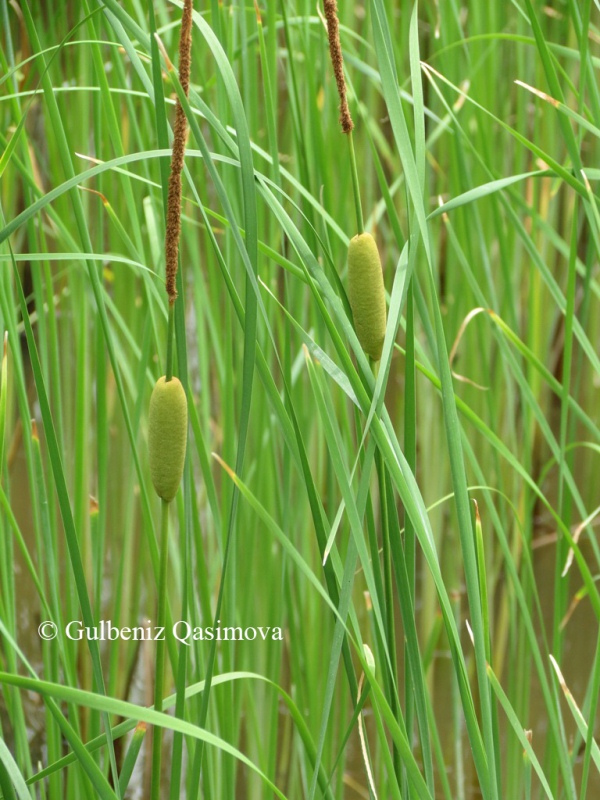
(441, 509)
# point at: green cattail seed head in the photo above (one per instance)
(167, 436)
(367, 294)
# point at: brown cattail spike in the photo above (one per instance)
(179, 137)
(337, 61)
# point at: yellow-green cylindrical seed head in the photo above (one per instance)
(367, 294)
(167, 436)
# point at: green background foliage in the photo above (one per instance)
(441, 508)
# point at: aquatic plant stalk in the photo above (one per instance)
(169, 421)
(160, 649)
(346, 123)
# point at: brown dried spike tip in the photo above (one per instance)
(337, 61)
(179, 136)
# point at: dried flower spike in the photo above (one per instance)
(179, 136)
(337, 61)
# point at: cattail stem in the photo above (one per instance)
(170, 337)
(160, 649)
(388, 584)
(346, 123)
(355, 186)
(337, 62)
(172, 235)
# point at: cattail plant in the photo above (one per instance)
(167, 435)
(367, 294)
(365, 276)
(167, 418)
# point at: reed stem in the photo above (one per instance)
(355, 185)
(160, 649)
(388, 587)
(170, 338)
